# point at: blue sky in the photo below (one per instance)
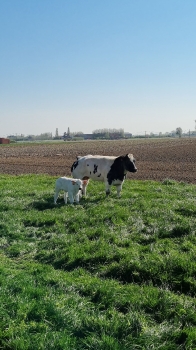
(94, 64)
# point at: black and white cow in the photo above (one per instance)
(109, 169)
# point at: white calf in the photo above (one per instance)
(71, 187)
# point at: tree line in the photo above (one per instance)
(109, 133)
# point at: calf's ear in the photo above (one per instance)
(73, 182)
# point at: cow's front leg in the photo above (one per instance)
(107, 189)
(119, 189)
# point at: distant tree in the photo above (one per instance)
(179, 132)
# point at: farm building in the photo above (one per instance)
(3, 140)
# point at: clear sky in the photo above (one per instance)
(95, 64)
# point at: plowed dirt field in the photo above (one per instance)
(156, 159)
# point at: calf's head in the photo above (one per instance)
(77, 184)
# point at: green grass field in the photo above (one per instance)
(107, 274)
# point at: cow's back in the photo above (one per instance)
(92, 167)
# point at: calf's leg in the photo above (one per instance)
(71, 198)
(56, 195)
(65, 197)
(77, 197)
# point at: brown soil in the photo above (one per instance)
(156, 159)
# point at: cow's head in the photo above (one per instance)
(129, 163)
